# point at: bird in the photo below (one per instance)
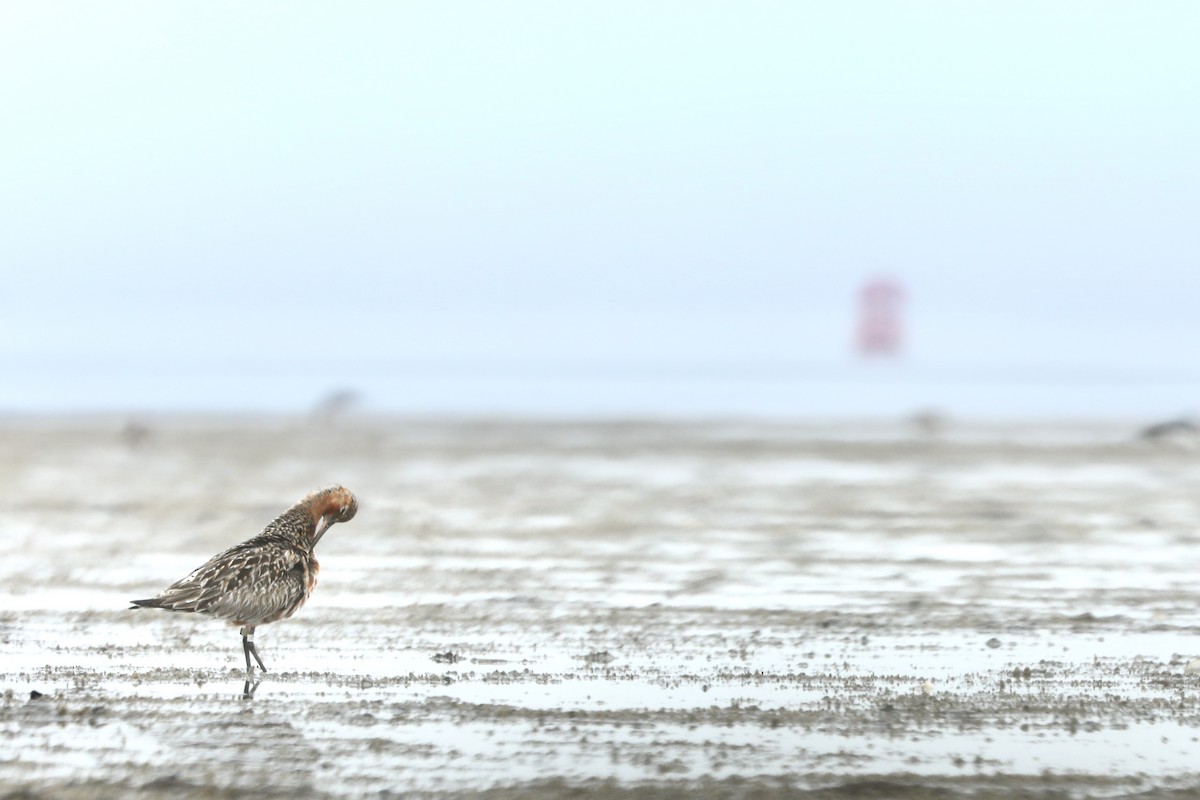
(265, 578)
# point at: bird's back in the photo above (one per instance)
(261, 580)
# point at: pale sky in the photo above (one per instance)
(591, 183)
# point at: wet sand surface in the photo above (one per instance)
(608, 610)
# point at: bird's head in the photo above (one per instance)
(330, 506)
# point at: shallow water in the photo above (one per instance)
(704, 608)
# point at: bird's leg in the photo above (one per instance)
(246, 648)
(250, 650)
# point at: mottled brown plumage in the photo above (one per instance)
(266, 578)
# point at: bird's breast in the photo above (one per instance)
(313, 569)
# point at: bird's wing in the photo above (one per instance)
(247, 582)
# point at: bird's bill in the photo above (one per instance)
(323, 524)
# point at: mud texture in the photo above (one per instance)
(608, 610)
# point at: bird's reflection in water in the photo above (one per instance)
(250, 687)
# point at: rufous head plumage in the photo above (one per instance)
(329, 506)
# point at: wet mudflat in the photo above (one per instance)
(608, 610)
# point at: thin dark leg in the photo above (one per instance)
(250, 650)
(254, 652)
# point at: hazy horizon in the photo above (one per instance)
(193, 193)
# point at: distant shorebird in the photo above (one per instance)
(266, 578)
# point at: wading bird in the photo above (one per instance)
(266, 578)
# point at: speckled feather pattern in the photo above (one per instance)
(268, 577)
